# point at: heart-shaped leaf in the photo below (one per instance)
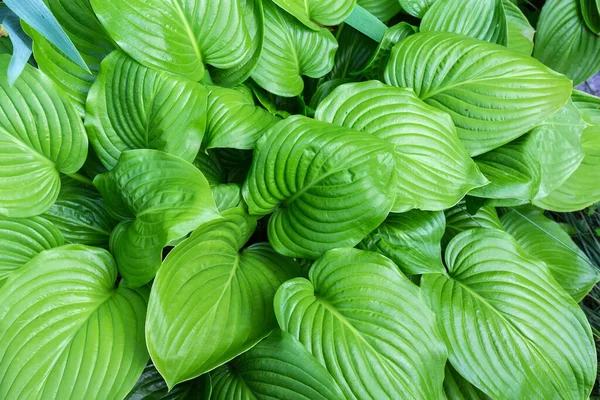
(367, 324)
(227, 196)
(327, 186)
(134, 107)
(314, 13)
(41, 134)
(520, 31)
(431, 179)
(278, 367)
(159, 198)
(209, 301)
(493, 95)
(458, 220)
(67, 332)
(510, 328)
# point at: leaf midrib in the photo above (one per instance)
(188, 28)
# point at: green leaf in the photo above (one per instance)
(278, 367)
(233, 119)
(210, 166)
(227, 196)
(416, 8)
(159, 198)
(564, 43)
(152, 386)
(291, 50)
(590, 10)
(353, 53)
(459, 220)
(366, 23)
(545, 240)
(20, 43)
(179, 36)
(458, 388)
(367, 324)
(327, 186)
(89, 37)
(411, 240)
(588, 106)
(210, 302)
(134, 107)
(493, 95)
(67, 332)
(382, 9)
(80, 215)
(23, 239)
(41, 134)
(314, 13)
(520, 31)
(481, 19)
(433, 170)
(511, 330)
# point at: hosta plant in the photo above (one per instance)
(285, 199)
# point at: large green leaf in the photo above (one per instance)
(41, 134)
(493, 95)
(22, 239)
(458, 220)
(482, 19)
(327, 186)
(159, 198)
(416, 8)
(382, 9)
(411, 240)
(291, 50)
(80, 215)
(278, 367)
(233, 119)
(314, 13)
(545, 240)
(564, 43)
(520, 31)
(210, 302)
(458, 388)
(66, 331)
(179, 36)
(590, 10)
(510, 328)
(433, 170)
(89, 37)
(152, 386)
(367, 324)
(134, 107)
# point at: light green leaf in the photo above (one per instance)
(89, 37)
(67, 332)
(481, 19)
(41, 134)
(564, 43)
(314, 13)
(511, 330)
(458, 388)
(179, 36)
(493, 95)
(80, 215)
(327, 186)
(233, 119)
(134, 107)
(159, 198)
(227, 196)
(210, 302)
(416, 8)
(291, 50)
(459, 220)
(367, 324)
(433, 170)
(590, 10)
(278, 367)
(520, 31)
(411, 240)
(588, 106)
(382, 9)
(152, 386)
(545, 240)
(22, 239)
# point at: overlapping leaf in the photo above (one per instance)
(382, 9)
(314, 13)
(152, 386)
(458, 220)
(416, 8)
(520, 31)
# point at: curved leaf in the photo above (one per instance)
(520, 31)
(367, 324)
(159, 198)
(314, 13)
(590, 10)
(20, 43)
(493, 95)
(134, 107)
(67, 332)
(22, 239)
(458, 388)
(152, 386)
(89, 37)
(411, 240)
(458, 220)
(41, 134)
(327, 186)
(481, 19)
(433, 170)
(416, 8)
(213, 299)
(234, 121)
(278, 367)
(588, 106)
(511, 330)
(382, 9)
(564, 43)
(227, 196)
(210, 166)
(178, 36)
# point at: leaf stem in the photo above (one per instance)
(366, 23)
(81, 178)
